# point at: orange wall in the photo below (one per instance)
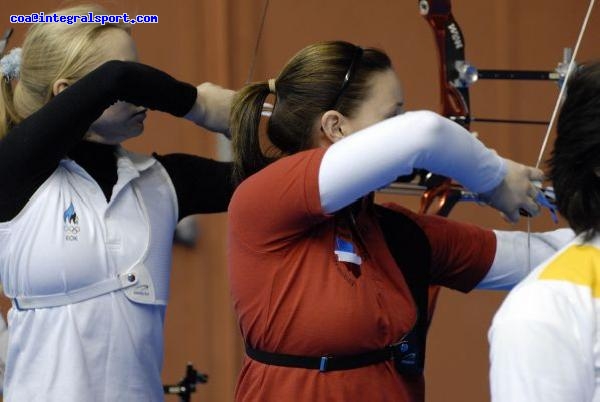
(213, 40)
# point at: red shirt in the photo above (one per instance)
(293, 296)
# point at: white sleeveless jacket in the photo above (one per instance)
(72, 336)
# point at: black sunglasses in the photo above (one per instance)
(358, 52)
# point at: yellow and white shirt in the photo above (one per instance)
(544, 340)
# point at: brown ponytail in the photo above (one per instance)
(246, 111)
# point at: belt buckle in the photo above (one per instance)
(323, 363)
(401, 348)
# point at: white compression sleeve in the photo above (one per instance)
(513, 256)
(377, 155)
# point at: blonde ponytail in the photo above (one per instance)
(10, 65)
(8, 115)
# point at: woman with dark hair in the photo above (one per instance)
(545, 343)
(330, 288)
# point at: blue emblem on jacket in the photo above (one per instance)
(69, 216)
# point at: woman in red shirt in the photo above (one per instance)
(324, 282)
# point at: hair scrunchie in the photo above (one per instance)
(272, 88)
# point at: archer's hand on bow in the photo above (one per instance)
(516, 192)
(212, 108)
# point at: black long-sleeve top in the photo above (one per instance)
(32, 150)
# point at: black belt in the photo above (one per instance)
(400, 351)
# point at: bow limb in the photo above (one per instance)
(450, 44)
(454, 97)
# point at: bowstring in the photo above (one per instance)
(557, 105)
(257, 43)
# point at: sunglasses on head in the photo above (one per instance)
(358, 52)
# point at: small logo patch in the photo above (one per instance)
(71, 224)
(141, 290)
(345, 251)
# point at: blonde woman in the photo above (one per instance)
(86, 226)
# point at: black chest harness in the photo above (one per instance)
(411, 250)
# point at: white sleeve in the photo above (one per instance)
(539, 352)
(375, 156)
(514, 259)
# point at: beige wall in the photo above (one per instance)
(214, 40)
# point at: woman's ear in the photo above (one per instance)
(331, 125)
(59, 85)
